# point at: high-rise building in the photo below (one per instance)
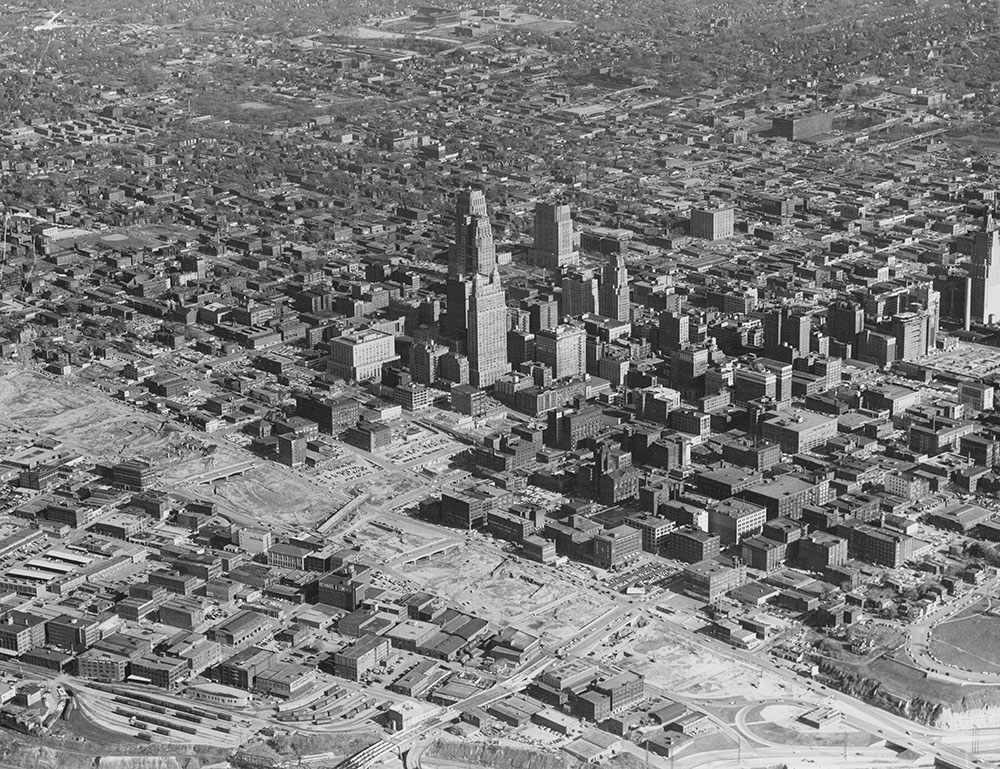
(563, 349)
(359, 354)
(555, 242)
(674, 333)
(687, 371)
(520, 347)
(713, 223)
(782, 377)
(291, 450)
(929, 299)
(910, 331)
(615, 289)
(472, 253)
(784, 328)
(984, 296)
(473, 250)
(579, 293)
(487, 335)
(876, 348)
(455, 368)
(543, 312)
(457, 292)
(425, 362)
(754, 382)
(976, 396)
(844, 321)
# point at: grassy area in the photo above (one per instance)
(787, 736)
(711, 743)
(968, 641)
(905, 681)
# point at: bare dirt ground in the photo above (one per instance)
(87, 421)
(269, 494)
(383, 545)
(679, 664)
(558, 623)
(208, 458)
(500, 589)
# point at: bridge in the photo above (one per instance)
(425, 551)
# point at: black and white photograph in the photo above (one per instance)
(551, 384)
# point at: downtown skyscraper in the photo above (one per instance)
(477, 303)
(615, 289)
(473, 252)
(983, 303)
(555, 241)
(487, 330)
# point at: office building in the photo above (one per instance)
(133, 474)
(733, 519)
(687, 371)
(425, 362)
(797, 430)
(787, 333)
(844, 321)
(615, 289)
(555, 242)
(713, 223)
(910, 331)
(710, 580)
(983, 303)
(802, 127)
(473, 250)
(673, 331)
(487, 330)
(653, 529)
(975, 396)
(580, 293)
(359, 354)
(563, 349)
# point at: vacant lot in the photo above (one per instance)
(562, 618)
(680, 664)
(270, 494)
(88, 421)
(383, 543)
(495, 587)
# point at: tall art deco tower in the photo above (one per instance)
(487, 336)
(472, 253)
(477, 304)
(615, 289)
(983, 303)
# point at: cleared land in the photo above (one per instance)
(681, 665)
(211, 458)
(383, 544)
(500, 589)
(89, 422)
(556, 624)
(270, 494)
